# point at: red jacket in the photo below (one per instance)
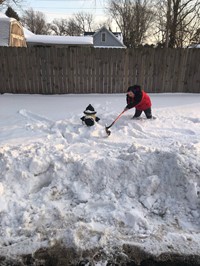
(145, 102)
(141, 103)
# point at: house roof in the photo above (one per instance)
(91, 33)
(28, 33)
(116, 35)
(5, 29)
(61, 40)
(4, 17)
(194, 46)
(36, 39)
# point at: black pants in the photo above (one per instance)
(147, 113)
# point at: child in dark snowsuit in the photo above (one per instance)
(139, 99)
(90, 116)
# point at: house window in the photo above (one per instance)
(103, 36)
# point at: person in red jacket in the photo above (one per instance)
(139, 99)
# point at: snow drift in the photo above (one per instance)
(61, 181)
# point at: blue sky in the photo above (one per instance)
(65, 8)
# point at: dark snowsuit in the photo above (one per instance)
(90, 117)
(89, 120)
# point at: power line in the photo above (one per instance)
(68, 2)
(84, 6)
(69, 8)
(61, 0)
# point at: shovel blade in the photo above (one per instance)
(108, 132)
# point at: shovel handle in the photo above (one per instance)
(116, 119)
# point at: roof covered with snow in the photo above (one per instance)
(36, 39)
(4, 29)
(28, 33)
(3, 17)
(9, 35)
(60, 40)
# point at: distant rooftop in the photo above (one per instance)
(91, 33)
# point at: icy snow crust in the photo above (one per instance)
(62, 181)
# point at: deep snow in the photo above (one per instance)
(63, 181)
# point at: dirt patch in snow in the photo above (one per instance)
(129, 255)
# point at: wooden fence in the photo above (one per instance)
(50, 70)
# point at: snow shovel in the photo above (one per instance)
(107, 128)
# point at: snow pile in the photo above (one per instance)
(61, 180)
(4, 29)
(55, 39)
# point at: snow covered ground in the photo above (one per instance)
(63, 181)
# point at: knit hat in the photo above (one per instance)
(134, 88)
(90, 110)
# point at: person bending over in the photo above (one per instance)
(136, 97)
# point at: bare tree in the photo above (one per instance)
(35, 21)
(73, 29)
(134, 19)
(10, 2)
(59, 26)
(85, 21)
(107, 23)
(65, 27)
(8, 5)
(177, 19)
(196, 37)
(74, 26)
(168, 22)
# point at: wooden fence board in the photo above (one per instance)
(48, 71)
(194, 77)
(184, 57)
(131, 68)
(51, 70)
(91, 71)
(60, 73)
(13, 73)
(30, 67)
(2, 70)
(166, 80)
(65, 77)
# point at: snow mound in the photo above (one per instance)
(63, 182)
(64, 189)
